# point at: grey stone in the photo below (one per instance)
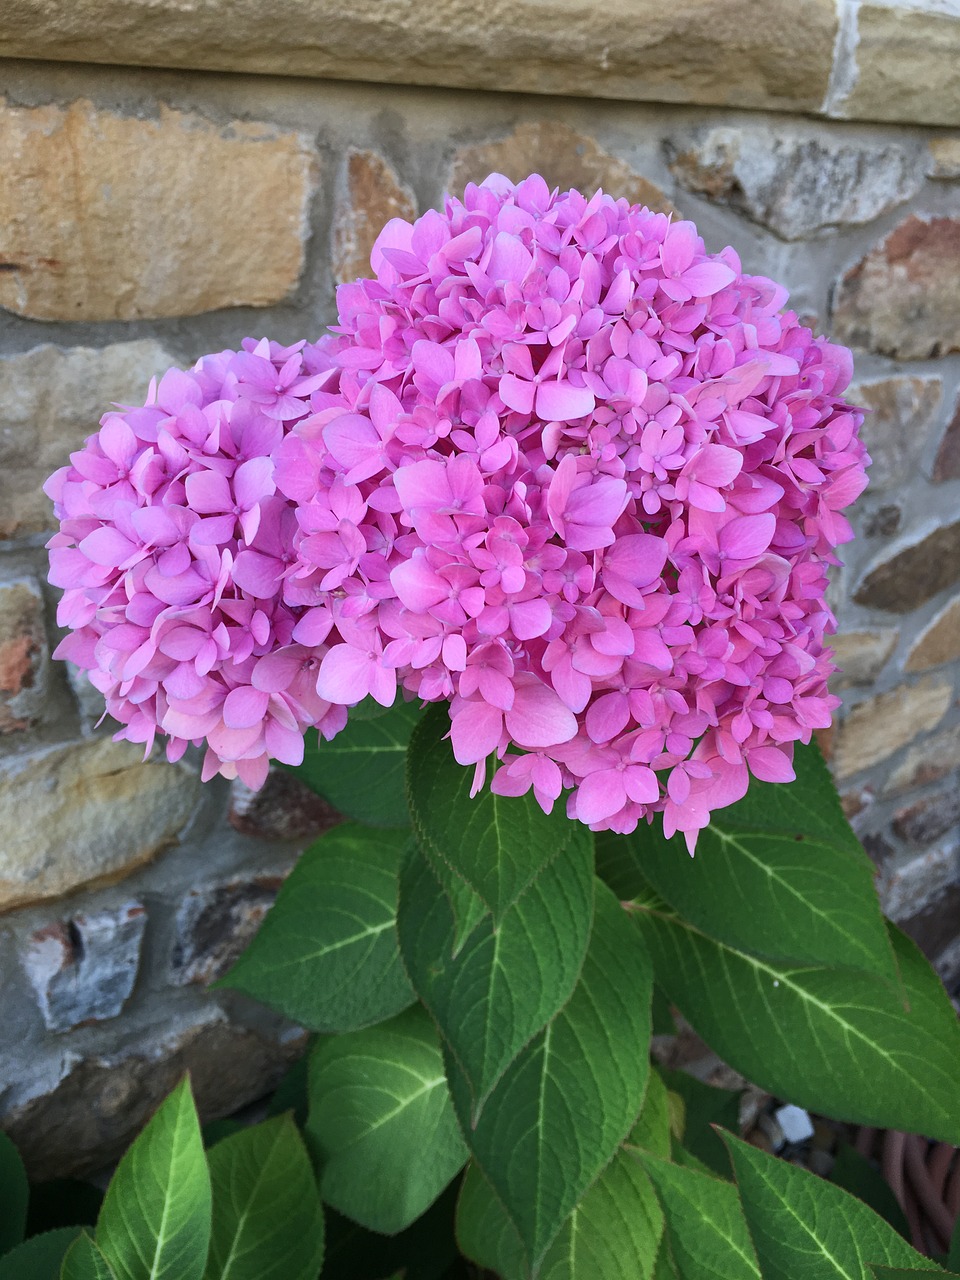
(215, 923)
(929, 818)
(908, 575)
(103, 1101)
(927, 761)
(909, 889)
(799, 181)
(283, 809)
(84, 969)
(24, 653)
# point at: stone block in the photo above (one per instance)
(24, 654)
(901, 299)
(908, 889)
(83, 969)
(215, 923)
(85, 811)
(908, 63)
(928, 819)
(927, 761)
(861, 655)
(564, 156)
(884, 522)
(51, 399)
(111, 217)
(748, 53)
(903, 410)
(103, 1101)
(877, 728)
(283, 809)
(944, 157)
(939, 641)
(371, 195)
(947, 463)
(797, 182)
(906, 576)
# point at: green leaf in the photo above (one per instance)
(856, 1174)
(14, 1195)
(291, 1093)
(267, 1219)
(804, 1228)
(84, 1261)
(665, 1269)
(705, 1106)
(832, 1040)
(496, 843)
(908, 1273)
(706, 1228)
(785, 850)
(381, 1121)
(155, 1220)
(326, 955)
(362, 771)
(426, 1250)
(564, 1105)
(508, 979)
(38, 1258)
(613, 1233)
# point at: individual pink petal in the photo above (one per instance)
(538, 718)
(244, 707)
(562, 402)
(475, 730)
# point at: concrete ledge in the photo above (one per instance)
(788, 55)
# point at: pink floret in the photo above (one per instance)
(557, 466)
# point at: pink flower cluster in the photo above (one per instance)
(558, 466)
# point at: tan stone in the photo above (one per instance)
(24, 654)
(371, 195)
(84, 811)
(563, 156)
(938, 642)
(748, 53)
(50, 400)
(927, 761)
(902, 412)
(901, 299)
(908, 63)
(944, 156)
(913, 572)
(877, 728)
(860, 655)
(110, 217)
(946, 466)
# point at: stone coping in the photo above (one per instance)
(886, 60)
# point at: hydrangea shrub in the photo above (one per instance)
(565, 473)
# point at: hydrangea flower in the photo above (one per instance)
(558, 466)
(172, 547)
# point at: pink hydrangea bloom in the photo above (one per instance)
(172, 550)
(558, 466)
(598, 475)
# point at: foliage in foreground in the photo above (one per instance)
(479, 1094)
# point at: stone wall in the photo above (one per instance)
(150, 215)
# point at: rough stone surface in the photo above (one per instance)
(935, 926)
(928, 761)
(944, 157)
(24, 655)
(563, 156)
(51, 398)
(907, 576)
(797, 182)
(750, 53)
(861, 655)
(283, 809)
(882, 523)
(371, 195)
(901, 299)
(84, 969)
(947, 463)
(905, 890)
(102, 1102)
(85, 811)
(875, 729)
(903, 410)
(109, 217)
(938, 642)
(215, 923)
(928, 819)
(908, 63)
